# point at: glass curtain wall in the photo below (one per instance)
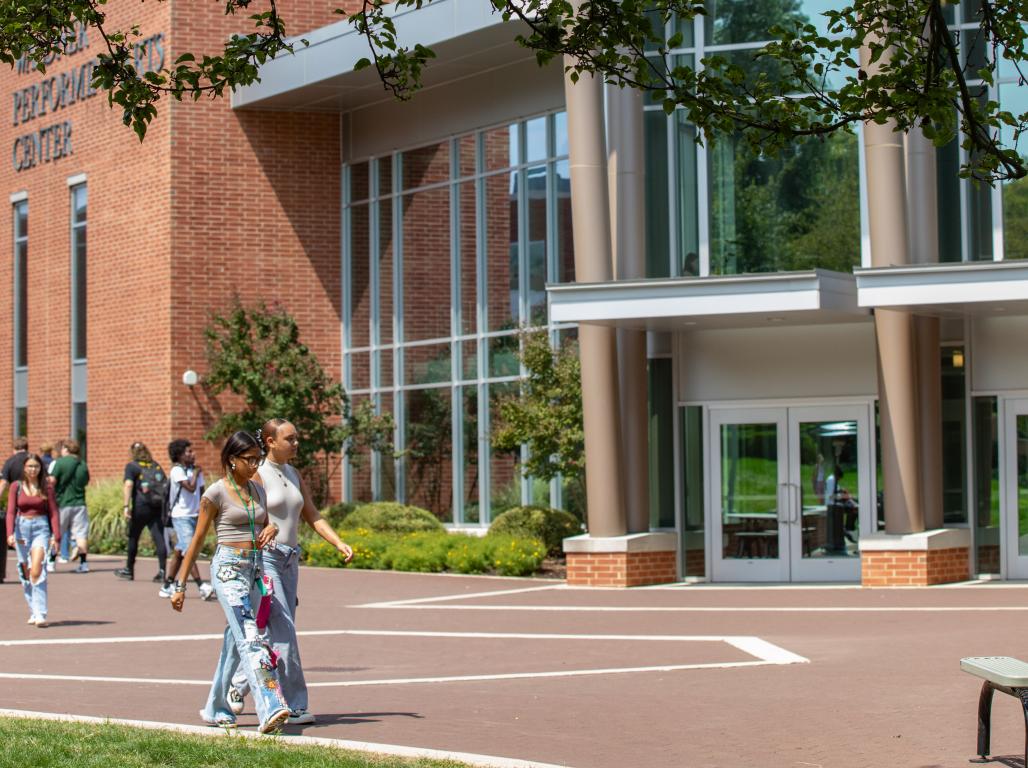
(721, 208)
(447, 252)
(79, 200)
(20, 322)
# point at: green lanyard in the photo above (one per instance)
(251, 514)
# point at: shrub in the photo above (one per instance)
(551, 526)
(336, 513)
(469, 554)
(424, 552)
(368, 550)
(108, 528)
(392, 517)
(512, 556)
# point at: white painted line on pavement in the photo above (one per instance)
(485, 761)
(444, 598)
(712, 609)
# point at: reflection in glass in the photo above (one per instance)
(948, 183)
(1014, 98)
(501, 241)
(690, 432)
(503, 360)
(565, 238)
(796, 211)
(429, 453)
(1022, 484)
(986, 483)
(535, 140)
(504, 470)
(688, 225)
(386, 262)
(426, 265)
(427, 364)
(359, 278)
(661, 401)
(746, 21)
(469, 432)
(954, 442)
(464, 199)
(656, 180)
(536, 205)
(749, 491)
(830, 482)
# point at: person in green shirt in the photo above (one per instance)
(70, 476)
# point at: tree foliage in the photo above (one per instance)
(546, 415)
(806, 80)
(256, 354)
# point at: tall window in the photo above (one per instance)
(79, 272)
(21, 311)
(447, 251)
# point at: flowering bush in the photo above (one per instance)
(431, 552)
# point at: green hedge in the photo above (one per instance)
(431, 552)
(551, 526)
(391, 517)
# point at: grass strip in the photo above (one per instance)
(43, 743)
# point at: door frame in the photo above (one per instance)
(1012, 564)
(788, 415)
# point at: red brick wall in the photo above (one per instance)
(213, 204)
(914, 568)
(129, 226)
(620, 569)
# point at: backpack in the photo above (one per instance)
(151, 491)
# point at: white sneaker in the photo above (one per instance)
(221, 721)
(275, 720)
(50, 567)
(64, 559)
(301, 717)
(32, 619)
(166, 591)
(235, 701)
(82, 568)
(206, 591)
(40, 622)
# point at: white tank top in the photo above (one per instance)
(285, 499)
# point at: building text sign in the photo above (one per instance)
(54, 94)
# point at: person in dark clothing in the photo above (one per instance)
(10, 474)
(146, 495)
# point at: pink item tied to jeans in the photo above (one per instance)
(264, 612)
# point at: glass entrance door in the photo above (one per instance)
(790, 493)
(1014, 541)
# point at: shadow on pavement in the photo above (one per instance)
(349, 719)
(77, 623)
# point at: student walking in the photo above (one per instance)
(185, 489)
(238, 508)
(289, 500)
(145, 493)
(70, 477)
(33, 528)
(11, 473)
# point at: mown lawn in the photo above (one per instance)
(43, 743)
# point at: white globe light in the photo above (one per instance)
(190, 378)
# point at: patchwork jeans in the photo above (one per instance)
(282, 564)
(233, 575)
(32, 533)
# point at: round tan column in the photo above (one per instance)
(625, 173)
(894, 332)
(923, 237)
(590, 215)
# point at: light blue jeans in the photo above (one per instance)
(32, 533)
(282, 564)
(233, 575)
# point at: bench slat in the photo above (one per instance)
(1002, 670)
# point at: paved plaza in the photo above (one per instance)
(683, 676)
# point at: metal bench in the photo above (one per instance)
(1000, 673)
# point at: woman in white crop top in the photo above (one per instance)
(289, 500)
(237, 507)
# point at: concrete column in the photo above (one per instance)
(626, 184)
(923, 236)
(894, 331)
(590, 211)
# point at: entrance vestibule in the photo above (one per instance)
(789, 492)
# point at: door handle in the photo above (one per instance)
(785, 509)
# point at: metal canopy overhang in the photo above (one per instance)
(689, 303)
(947, 290)
(467, 37)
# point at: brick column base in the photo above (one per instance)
(941, 556)
(635, 560)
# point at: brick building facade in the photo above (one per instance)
(214, 204)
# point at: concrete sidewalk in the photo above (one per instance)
(652, 677)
